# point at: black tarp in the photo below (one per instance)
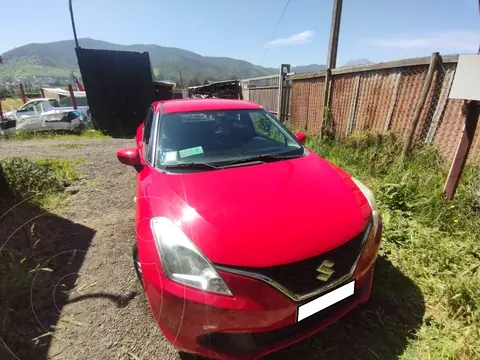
(119, 88)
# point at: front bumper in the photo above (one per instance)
(258, 320)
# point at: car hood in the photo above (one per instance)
(265, 214)
(9, 114)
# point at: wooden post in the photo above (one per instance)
(353, 105)
(442, 102)
(72, 96)
(1, 111)
(22, 94)
(461, 155)
(393, 101)
(421, 103)
(281, 80)
(42, 92)
(332, 54)
(334, 34)
(326, 96)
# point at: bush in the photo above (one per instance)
(27, 178)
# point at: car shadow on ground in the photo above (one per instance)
(378, 329)
(41, 254)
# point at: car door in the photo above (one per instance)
(29, 116)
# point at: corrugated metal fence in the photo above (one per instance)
(263, 91)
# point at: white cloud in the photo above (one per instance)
(452, 41)
(295, 39)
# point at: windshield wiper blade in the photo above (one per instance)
(265, 158)
(192, 166)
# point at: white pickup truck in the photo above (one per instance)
(46, 114)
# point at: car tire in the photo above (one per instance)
(136, 263)
(187, 356)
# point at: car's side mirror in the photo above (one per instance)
(302, 137)
(130, 156)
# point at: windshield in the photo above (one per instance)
(222, 138)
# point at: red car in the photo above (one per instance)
(247, 241)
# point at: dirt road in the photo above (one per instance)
(106, 315)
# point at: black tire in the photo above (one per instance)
(187, 356)
(136, 263)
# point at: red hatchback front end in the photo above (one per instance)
(241, 255)
(259, 320)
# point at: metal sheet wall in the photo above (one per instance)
(119, 88)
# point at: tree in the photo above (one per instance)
(205, 82)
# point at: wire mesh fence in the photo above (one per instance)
(306, 104)
(384, 98)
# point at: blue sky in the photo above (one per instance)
(379, 30)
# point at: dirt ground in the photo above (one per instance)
(107, 315)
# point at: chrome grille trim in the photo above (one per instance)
(302, 297)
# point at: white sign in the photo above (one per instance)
(466, 83)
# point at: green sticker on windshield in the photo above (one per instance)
(190, 152)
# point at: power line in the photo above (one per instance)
(275, 32)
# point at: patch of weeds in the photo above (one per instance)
(41, 180)
(31, 135)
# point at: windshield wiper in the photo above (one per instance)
(264, 158)
(199, 166)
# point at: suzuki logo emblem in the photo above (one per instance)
(325, 270)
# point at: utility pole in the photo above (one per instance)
(73, 23)
(332, 56)
(334, 34)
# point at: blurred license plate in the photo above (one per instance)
(325, 300)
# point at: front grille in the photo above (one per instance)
(250, 342)
(300, 277)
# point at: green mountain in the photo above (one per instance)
(41, 62)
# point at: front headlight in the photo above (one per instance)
(182, 261)
(371, 201)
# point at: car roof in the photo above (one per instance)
(188, 105)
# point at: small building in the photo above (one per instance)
(163, 90)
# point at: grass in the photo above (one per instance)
(9, 104)
(433, 243)
(36, 135)
(34, 248)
